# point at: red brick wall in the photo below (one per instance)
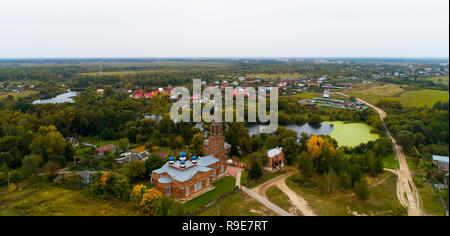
(277, 158)
(177, 189)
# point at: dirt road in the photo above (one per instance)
(406, 189)
(294, 198)
(265, 202)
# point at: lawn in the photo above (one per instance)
(96, 141)
(266, 178)
(352, 134)
(221, 187)
(276, 196)
(382, 201)
(48, 200)
(390, 162)
(238, 204)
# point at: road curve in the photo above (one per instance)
(266, 202)
(296, 200)
(406, 189)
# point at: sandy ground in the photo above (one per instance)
(296, 200)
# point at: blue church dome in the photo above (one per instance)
(182, 162)
(172, 158)
(182, 154)
(194, 157)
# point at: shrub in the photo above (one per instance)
(111, 183)
(72, 181)
(255, 170)
(418, 181)
(3, 178)
(362, 189)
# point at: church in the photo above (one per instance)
(187, 178)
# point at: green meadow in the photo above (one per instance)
(392, 92)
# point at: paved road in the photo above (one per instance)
(406, 189)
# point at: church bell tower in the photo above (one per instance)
(216, 141)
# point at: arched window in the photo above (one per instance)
(187, 191)
(214, 173)
(167, 191)
(207, 181)
(221, 169)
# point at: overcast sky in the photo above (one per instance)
(224, 28)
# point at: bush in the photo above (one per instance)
(135, 171)
(72, 181)
(150, 201)
(418, 181)
(255, 171)
(362, 189)
(300, 181)
(111, 183)
(3, 178)
(345, 181)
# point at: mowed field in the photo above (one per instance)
(392, 92)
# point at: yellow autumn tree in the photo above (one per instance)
(137, 193)
(315, 145)
(104, 178)
(149, 201)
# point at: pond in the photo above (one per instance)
(352, 134)
(346, 134)
(62, 98)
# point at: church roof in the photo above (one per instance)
(274, 152)
(191, 169)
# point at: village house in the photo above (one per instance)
(73, 141)
(184, 179)
(131, 157)
(442, 163)
(100, 152)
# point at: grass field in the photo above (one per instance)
(221, 187)
(390, 162)
(276, 196)
(392, 92)
(266, 178)
(439, 80)
(47, 200)
(421, 98)
(352, 134)
(16, 95)
(430, 200)
(238, 204)
(382, 201)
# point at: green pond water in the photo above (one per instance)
(352, 134)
